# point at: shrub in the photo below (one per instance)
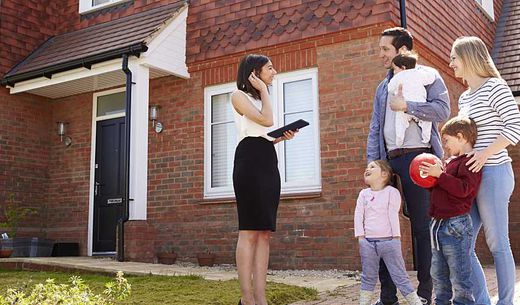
(75, 293)
(13, 215)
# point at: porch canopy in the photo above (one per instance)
(89, 59)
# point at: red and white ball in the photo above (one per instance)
(419, 177)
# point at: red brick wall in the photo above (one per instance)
(313, 232)
(438, 23)
(219, 28)
(70, 19)
(69, 171)
(25, 134)
(24, 25)
(140, 241)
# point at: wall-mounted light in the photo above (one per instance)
(62, 130)
(154, 111)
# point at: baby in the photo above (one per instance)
(413, 78)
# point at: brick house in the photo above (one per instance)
(62, 61)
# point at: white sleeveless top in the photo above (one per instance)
(245, 126)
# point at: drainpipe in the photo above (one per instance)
(124, 218)
(402, 9)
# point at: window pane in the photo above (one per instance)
(297, 96)
(111, 104)
(98, 2)
(300, 155)
(221, 108)
(223, 142)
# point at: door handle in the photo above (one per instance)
(96, 188)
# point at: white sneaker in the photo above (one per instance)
(381, 303)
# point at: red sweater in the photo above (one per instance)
(455, 191)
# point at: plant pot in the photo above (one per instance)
(4, 253)
(206, 259)
(28, 247)
(41, 247)
(167, 258)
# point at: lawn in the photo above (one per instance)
(165, 290)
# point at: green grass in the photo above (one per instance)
(165, 290)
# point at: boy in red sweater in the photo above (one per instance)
(450, 226)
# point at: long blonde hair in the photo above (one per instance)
(475, 56)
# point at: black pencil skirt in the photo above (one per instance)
(256, 181)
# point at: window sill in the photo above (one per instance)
(282, 197)
(101, 6)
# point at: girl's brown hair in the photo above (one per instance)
(385, 167)
(393, 179)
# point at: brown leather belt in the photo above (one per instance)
(395, 153)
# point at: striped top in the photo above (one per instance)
(494, 110)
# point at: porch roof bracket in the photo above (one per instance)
(86, 62)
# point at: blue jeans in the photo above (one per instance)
(418, 203)
(451, 263)
(491, 211)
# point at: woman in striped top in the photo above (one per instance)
(490, 103)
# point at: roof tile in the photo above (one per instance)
(506, 50)
(275, 22)
(99, 39)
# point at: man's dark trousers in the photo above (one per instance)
(418, 202)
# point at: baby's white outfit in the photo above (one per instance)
(414, 82)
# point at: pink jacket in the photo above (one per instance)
(377, 213)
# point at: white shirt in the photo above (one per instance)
(247, 127)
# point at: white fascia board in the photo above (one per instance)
(67, 76)
(167, 51)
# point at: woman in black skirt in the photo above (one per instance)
(256, 179)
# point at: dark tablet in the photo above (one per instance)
(293, 126)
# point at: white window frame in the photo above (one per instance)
(85, 6)
(487, 8)
(311, 186)
(213, 192)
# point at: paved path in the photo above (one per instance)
(348, 295)
(334, 287)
